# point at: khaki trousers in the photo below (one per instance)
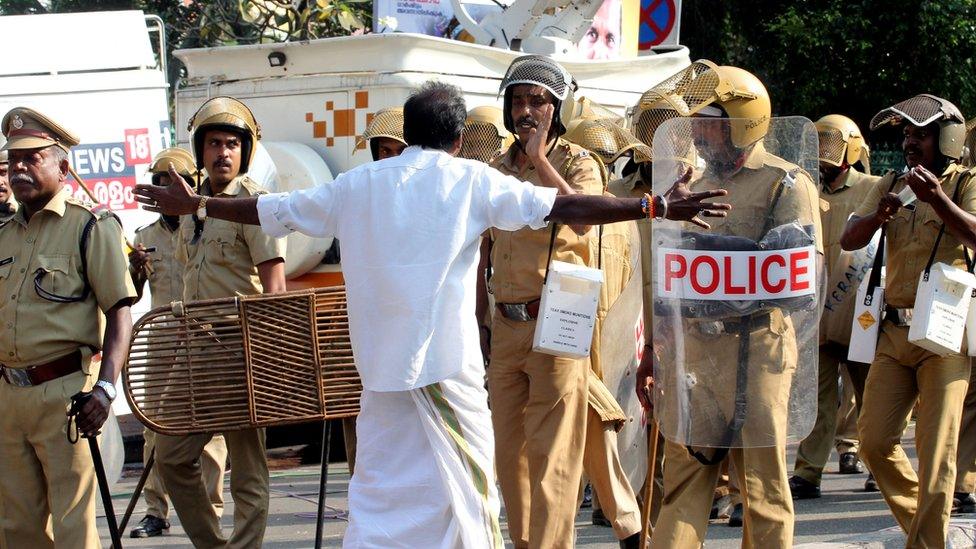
(813, 452)
(182, 474)
(601, 461)
(966, 455)
(212, 463)
(47, 488)
(850, 407)
(538, 410)
(901, 374)
(689, 488)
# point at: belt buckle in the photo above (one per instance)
(17, 377)
(516, 311)
(712, 328)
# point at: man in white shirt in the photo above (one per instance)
(411, 227)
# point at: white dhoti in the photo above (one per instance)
(424, 469)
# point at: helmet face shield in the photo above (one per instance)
(607, 140)
(833, 146)
(485, 136)
(693, 89)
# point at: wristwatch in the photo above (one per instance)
(109, 389)
(202, 208)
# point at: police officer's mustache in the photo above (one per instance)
(527, 121)
(21, 179)
(222, 163)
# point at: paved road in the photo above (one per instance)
(844, 512)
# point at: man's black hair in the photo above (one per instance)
(434, 115)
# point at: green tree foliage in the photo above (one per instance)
(852, 57)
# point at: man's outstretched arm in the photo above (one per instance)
(179, 199)
(682, 205)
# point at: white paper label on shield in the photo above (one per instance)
(746, 276)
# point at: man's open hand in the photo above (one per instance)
(685, 205)
(177, 198)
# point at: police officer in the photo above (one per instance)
(223, 259)
(933, 132)
(61, 267)
(154, 260)
(614, 501)
(8, 205)
(538, 400)
(766, 191)
(384, 133)
(842, 189)
(964, 500)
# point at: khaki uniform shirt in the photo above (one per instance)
(633, 186)
(835, 208)
(4, 217)
(751, 195)
(911, 234)
(166, 277)
(519, 258)
(222, 261)
(34, 330)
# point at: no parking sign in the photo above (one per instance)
(660, 21)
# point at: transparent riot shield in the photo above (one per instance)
(737, 306)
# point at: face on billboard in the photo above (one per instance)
(602, 39)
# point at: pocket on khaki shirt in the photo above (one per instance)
(59, 278)
(5, 286)
(218, 243)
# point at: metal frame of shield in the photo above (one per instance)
(737, 306)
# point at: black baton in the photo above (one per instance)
(77, 402)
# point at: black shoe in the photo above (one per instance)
(599, 519)
(963, 503)
(871, 485)
(587, 497)
(849, 464)
(721, 508)
(149, 527)
(735, 519)
(633, 542)
(802, 488)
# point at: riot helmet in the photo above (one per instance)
(485, 136)
(538, 70)
(386, 123)
(925, 109)
(841, 142)
(224, 114)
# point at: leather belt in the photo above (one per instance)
(519, 312)
(42, 373)
(900, 317)
(718, 327)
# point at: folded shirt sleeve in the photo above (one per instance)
(309, 211)
(512, 204)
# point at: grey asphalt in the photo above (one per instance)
(843, 515)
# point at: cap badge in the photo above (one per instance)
(17, 122)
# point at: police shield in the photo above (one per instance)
(737, 305)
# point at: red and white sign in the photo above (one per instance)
(742, 276)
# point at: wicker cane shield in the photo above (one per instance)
(243, 362)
